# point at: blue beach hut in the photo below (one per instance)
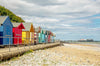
(40, 35)
(5, 30)
(43, 36)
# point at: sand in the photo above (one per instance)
(67, 55)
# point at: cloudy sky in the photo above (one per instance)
(68, 19)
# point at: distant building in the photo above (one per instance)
(90, 40)
(86, 40)
(82, 40)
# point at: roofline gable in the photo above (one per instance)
(8, 19)
(32, 28)
(21, 26)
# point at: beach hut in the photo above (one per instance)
(46, 36)
(49, 38)
(43, 36)
(40, 35)
(35, 38)
(28, 33)
(37, 31)
(52, 37)
(17, 33)
(5, 31)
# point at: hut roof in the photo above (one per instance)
(28, 27)
(49, 33)
(20, 25)
(38, 29)
(2, 19)
(44, 31)
(15, 24)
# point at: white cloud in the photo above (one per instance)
(66, 25)
(81, 21)
(67, 8)
(57, 15)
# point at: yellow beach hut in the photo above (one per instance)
(28, 34)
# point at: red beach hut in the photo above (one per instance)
(17, 33)
(49, 36)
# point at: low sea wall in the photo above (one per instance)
(4, 55)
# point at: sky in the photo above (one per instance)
(68, 19)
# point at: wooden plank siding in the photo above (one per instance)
(28, 33)
(6, 30)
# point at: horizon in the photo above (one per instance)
(69, 20)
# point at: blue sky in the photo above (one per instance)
(68, 19)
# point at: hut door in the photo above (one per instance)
(7, 34)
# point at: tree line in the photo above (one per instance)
(13, 17)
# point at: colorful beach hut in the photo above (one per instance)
(40, 35)
(35, 38)
(43, 36)
(17, 33)
(28, 33)
(5, 31)
(37, 31)
(53, 37)
(49, 37)
(46, 36)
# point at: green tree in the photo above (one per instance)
(13, 17)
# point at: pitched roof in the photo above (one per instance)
(44, 31)
(15, 24)
(19, 25)
(2, 19)
(38, 29)
(47, 32)
(32, 29)
(27, 26)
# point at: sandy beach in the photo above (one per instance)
(67, 55)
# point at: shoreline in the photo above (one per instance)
(69, 54)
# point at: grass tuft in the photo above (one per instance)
(30, 51)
